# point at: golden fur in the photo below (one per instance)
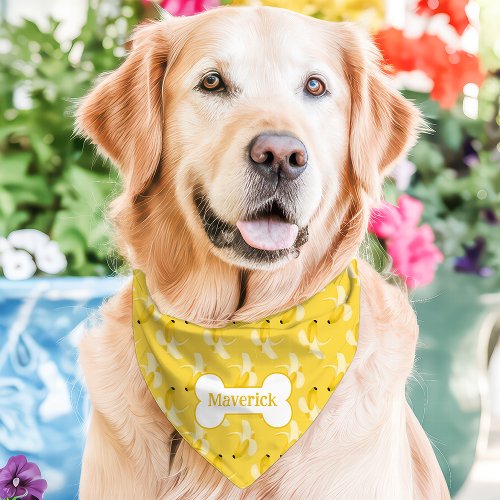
(168, 142)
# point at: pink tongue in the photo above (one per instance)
(268, 233)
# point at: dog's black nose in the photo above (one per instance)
(278, 155)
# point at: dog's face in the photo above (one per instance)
(259, 110)
(251, 124)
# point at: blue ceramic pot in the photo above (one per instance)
(42, 402)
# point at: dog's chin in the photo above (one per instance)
(230, 246)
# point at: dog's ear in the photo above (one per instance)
(383, 124)
(122, 114)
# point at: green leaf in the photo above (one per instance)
(71, 241)
(14, 167)
(450, 132)
(7, 203)
(428, 159)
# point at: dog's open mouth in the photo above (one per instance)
(267, 234)
(268, 229)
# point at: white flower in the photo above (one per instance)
(17, 265)
(402, 173)
(4, 246)
(28, 239)
(50, 259)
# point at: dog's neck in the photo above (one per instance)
(193, 284)
(215, 293)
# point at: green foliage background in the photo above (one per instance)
(54, 182)
(456, 196)
(49, 179)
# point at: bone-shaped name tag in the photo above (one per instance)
(270, 400)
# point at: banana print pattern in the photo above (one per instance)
(312, 344)
(294, 371)
(247, 444)
(247, 376)
(261, 337)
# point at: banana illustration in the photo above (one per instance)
(352, 273)
(167, 339)
(168, 407)
(247, 444)
(200, 444)
(338, 371)
(310, 338)
(295, 313)
(340, 298)
(294, 370)
(343, 311)
(337, 313)
(198, 367)
(261, 338)
(152, 373)
(347, 315)
(312, 398)
(247, 377)
(259, 469)
(291, 436)
(144, 315)
(309, 404)
(351, 338)
(216, 341)
(341, 295)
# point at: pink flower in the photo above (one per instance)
(412, 249)
(415, 256)
(389, 220)
(185, 7)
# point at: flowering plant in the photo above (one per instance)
(369, 13)
(21, 479)
(184, 7)
(449, 69)
(410, 246)
(54, 183)
(51, 180)
(26, 250)
(454, 171)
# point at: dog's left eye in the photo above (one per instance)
(212, 82)
(315, 86)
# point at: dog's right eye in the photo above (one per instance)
(212, 82)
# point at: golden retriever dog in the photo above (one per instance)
(237, 114)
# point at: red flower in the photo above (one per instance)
(462, 68)
(397, 50)
(454, 9)
(449, 71)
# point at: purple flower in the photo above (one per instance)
(471, 261)
(471, 158)
(490, 217)
(20, 478)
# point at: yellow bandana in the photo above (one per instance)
(243, 394)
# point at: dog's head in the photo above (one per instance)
(255, 134)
